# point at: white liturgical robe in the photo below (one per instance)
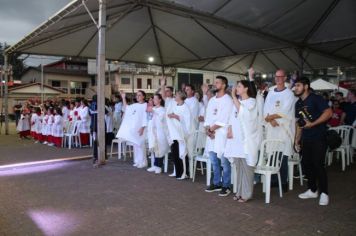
(218, 113)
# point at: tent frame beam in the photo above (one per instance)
(179, 43)
(155, 35)
(270, 60)
(321, 20)
(237, 61)
(198, 15)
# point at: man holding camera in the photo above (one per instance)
(312, 113)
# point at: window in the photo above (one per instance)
(139, 83)
(56, 83)
(125, 80)
(77, 87)
(149, 83)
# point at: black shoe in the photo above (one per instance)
(224, 192)
(213, 188)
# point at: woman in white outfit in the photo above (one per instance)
(243, 139)
(133, 127)
(179, 124)
(157, 134)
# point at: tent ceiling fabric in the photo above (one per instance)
(224, 35)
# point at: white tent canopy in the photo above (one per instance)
(228, 36)
(321, 84)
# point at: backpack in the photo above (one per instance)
(333, 139)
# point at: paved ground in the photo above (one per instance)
(72, 198)
(14, 150)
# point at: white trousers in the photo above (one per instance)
(139, 152)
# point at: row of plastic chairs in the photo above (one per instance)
(269, 163)
(345, 151)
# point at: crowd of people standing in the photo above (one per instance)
(229, 124)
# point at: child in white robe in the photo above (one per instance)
(23, 126)
(157, 134)
(50, 123)
(133, 127)
(84, 127)
(57, 128)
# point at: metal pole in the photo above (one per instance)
(42, 81)
(6, 94)
(101, 82)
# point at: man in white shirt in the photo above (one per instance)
(216, 124)
(278, 112)
(193, 105)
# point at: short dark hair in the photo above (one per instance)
(170, 88)
(143, 93)
(190, 86)
(303, 80)
(223, 79)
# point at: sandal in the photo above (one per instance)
(241, 200)
(236, 198)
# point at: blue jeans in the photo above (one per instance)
(217, 164)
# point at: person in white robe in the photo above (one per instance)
(65, 111)
(157, 134)
(44, 135)
(179, 125)
(216, 124)
(169, 100)
(50, 123)
(73, 113)
(23, 125)
(193, 104)
(278, 113)
(57, 128)
(84, 127)
(243, 139)
(117, 114)
(133, 127)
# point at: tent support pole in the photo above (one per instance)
(101, 82)
(6, 93)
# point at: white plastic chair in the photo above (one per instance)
(72, 135)
(294, 160)
(269, 164)
(122, 148)
(345, 149)
(201, 157)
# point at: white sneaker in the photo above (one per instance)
(151, 169)
(45, 142)
(308, 194)
(51, 144)
(324, 199)
(134, 165)
(141, 166)
(183, 177)
(158, 170)
(172, 175)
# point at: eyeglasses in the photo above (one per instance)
(280, 76)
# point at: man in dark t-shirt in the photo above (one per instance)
(312, 113)
(350, 108)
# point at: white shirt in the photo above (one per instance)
(193, 105)
(218, 113)
(281, 103)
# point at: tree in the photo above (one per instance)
(17, 64)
